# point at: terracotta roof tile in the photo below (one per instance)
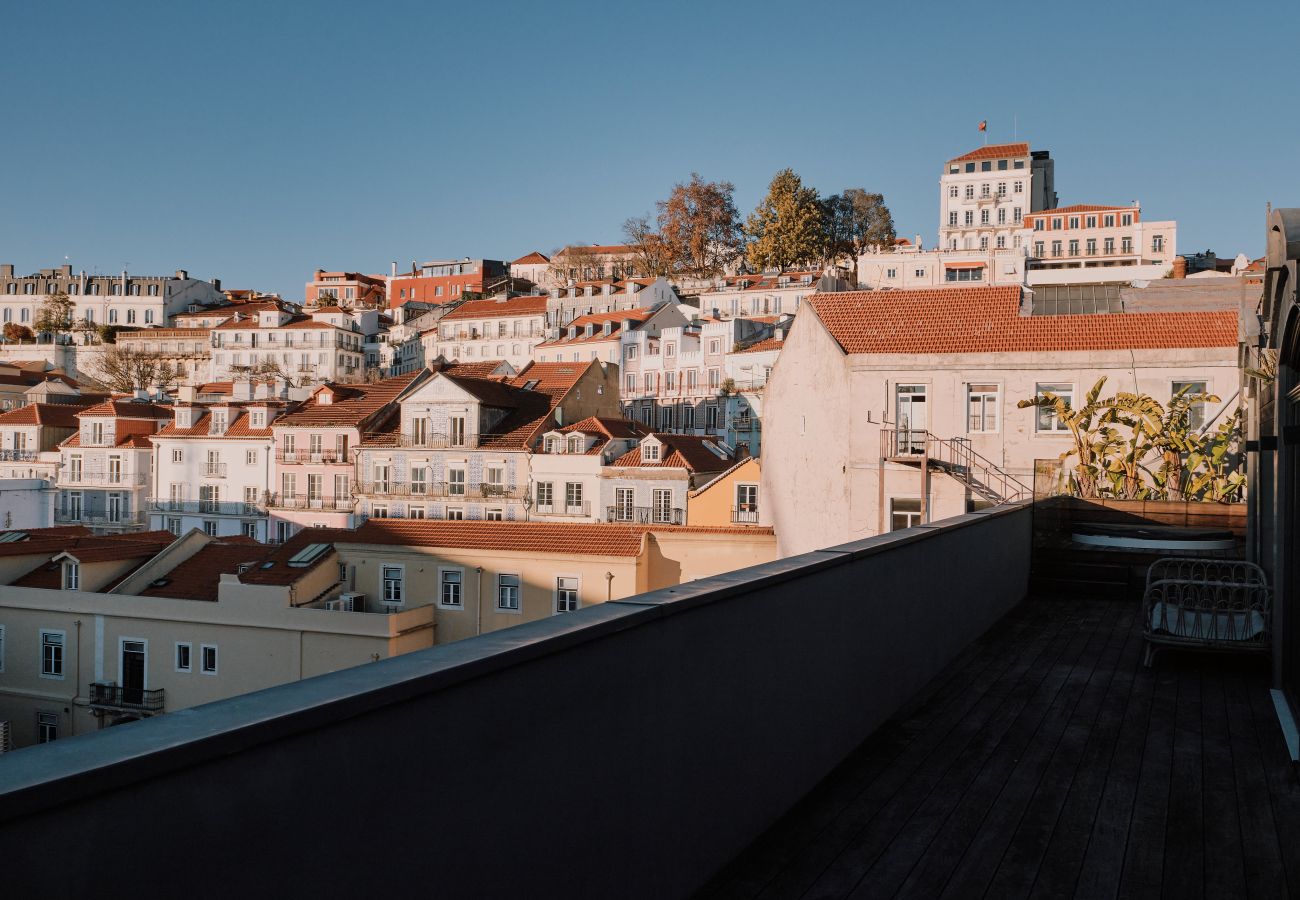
(128, 409)
(58, 415)
(490, 308)
(197, 578)
(764, 345)
(353, 403)
(987, 320)
(681, 451)
(993, 151)
(1076, 208)
(531, 258)
(140, 546)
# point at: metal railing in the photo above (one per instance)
(208, 507)
(124, 520)
(304, 501)
(563, 509)
(214, 470)
(128, 699)
(123, 479)
(745, 515)
(18, 455)
(646, 515)
(311, 456)
(438, 441)
(957, 458)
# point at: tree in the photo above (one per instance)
(786, 228)
(126, 369)
(653, 256)
(854, 222)
(700, 227)
(55, 315)
(580, 260)
(1093, 437)
(15, 332)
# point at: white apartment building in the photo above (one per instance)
(984, 196)
(188, 351)
(1089, 243)
(495, 328)
(122, 299)
(326, 345)
(595, 336)
(605, 295)
(569, 464)
(105, 468)
(29, 460)
(214, 467)
(867, 381)
(651, 482)
(774, 294)
(909, 266)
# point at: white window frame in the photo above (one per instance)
(919, 513)
(442, 571)
(63, 647)
(997, 412)
(70, 574)
(384, 580)
(1202, 407)
(518, 608)
(122, 641)
(555, 595)
(203, 659)
(189, 657)
(1038, 392)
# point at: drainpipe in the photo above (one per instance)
(478, 600)
(609, 586)
(76, 685)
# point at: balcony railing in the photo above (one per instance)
(17, 455)
(745, 515)
(646, 515)
(214, 470)
(311, 456)
(459, 490)
(116, 698)
(113, 479)
(208, 507)
(305, 501)
(124, 520)
(563, 509)
(438, 441)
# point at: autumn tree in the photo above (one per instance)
(575, 263)
(854, 222)
(54, 317)
(15, 332)
(126, 369)
(786, 229)
(700, 226)
(653, 255)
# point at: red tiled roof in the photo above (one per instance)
(237, 427)
(552, 377)
(764, 345)
(531, 259)
(489, 308)
(599, 248)
(993, 151)
(610, 427)
(353, 404)
(987, 320)
(197, 578)
(253, 323)
(680, 451)
(616, 319)
(1076, 208)
(87, 549)
(58, 415)
(128, 409)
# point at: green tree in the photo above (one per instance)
(54, 317)
(1094, 438)
(786, 229)
(854, 222)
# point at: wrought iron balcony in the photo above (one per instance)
(214, 470)
(646, 515)
(311, 456)
(746, 514)
(306, 501)
(438, 441)
(17, 455)
(68, 475)
(79, 517)
(116, 698)
(209, 507)
(563, 509)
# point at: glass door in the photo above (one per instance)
(911, 417)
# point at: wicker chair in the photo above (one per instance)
(1206, 604)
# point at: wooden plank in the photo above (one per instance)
(1013, 872)
(972, 850)
(959, 686)
(1183, 871)
(1224, 871)
(1143, 857)
(881, 812)
(1262, 857)
(1283, 789)
(1003, 739)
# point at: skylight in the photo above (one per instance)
(307, 555)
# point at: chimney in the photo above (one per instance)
(1180, 267)
(555, 293)
(140, 394)
(631, 286)
(66, 270)
(181, 274)
(607, 289)
(7, 270)
(394, 268)
(216, 284)
(187, 393)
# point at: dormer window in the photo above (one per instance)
(649, 453)
(551, 444)
(220, 421)
(71, 575)
(257, 418)
(577, 443)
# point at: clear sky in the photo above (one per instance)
(257, 141)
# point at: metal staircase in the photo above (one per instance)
(956, 457)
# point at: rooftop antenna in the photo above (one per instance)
(1015, 127)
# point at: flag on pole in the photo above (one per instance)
(984, 125)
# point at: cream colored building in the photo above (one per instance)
(985, 195)
(731, 498)
(867, 380)
(1089, 243)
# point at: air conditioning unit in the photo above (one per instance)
(348, 601)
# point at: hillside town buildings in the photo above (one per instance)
(499, 328)
(346, 288)
(447, 280)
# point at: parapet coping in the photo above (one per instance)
(38, 778)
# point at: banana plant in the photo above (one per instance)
(1092, 436)
(1216, 474)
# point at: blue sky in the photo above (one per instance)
(256, 141)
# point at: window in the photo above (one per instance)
(456, 482)
(662, 506)
(418, 482)
(566, 594)
(746, 503)
(952, 191)
(451, 586)
(573, 496)
(1074, 248)
(1002, 216)
(970, 217)
(378, 512)
(71, 575)
(984, 216)
(1016, 215)
(494, 514)
(970, 192)
(650, 452)
(456, 431)
(1196, 411)
(1047, 421)
(47, 727)
(1126, 245)
(208, 658)
(904, 513)
(1158, 243)
(665, 418)
(392, 576)
(174, 526)
(455, 514)
(631, 384)
(1108, 221)
(183, 652)
(1126, 219)
(52, 653)
(250, 457)
(1074, 221)
(952, 219)
(508, 592)
(982, 408)
(210, 527)
(545, 496)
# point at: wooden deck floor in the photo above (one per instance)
(1047, 762)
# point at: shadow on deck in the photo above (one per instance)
(1046, 761)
